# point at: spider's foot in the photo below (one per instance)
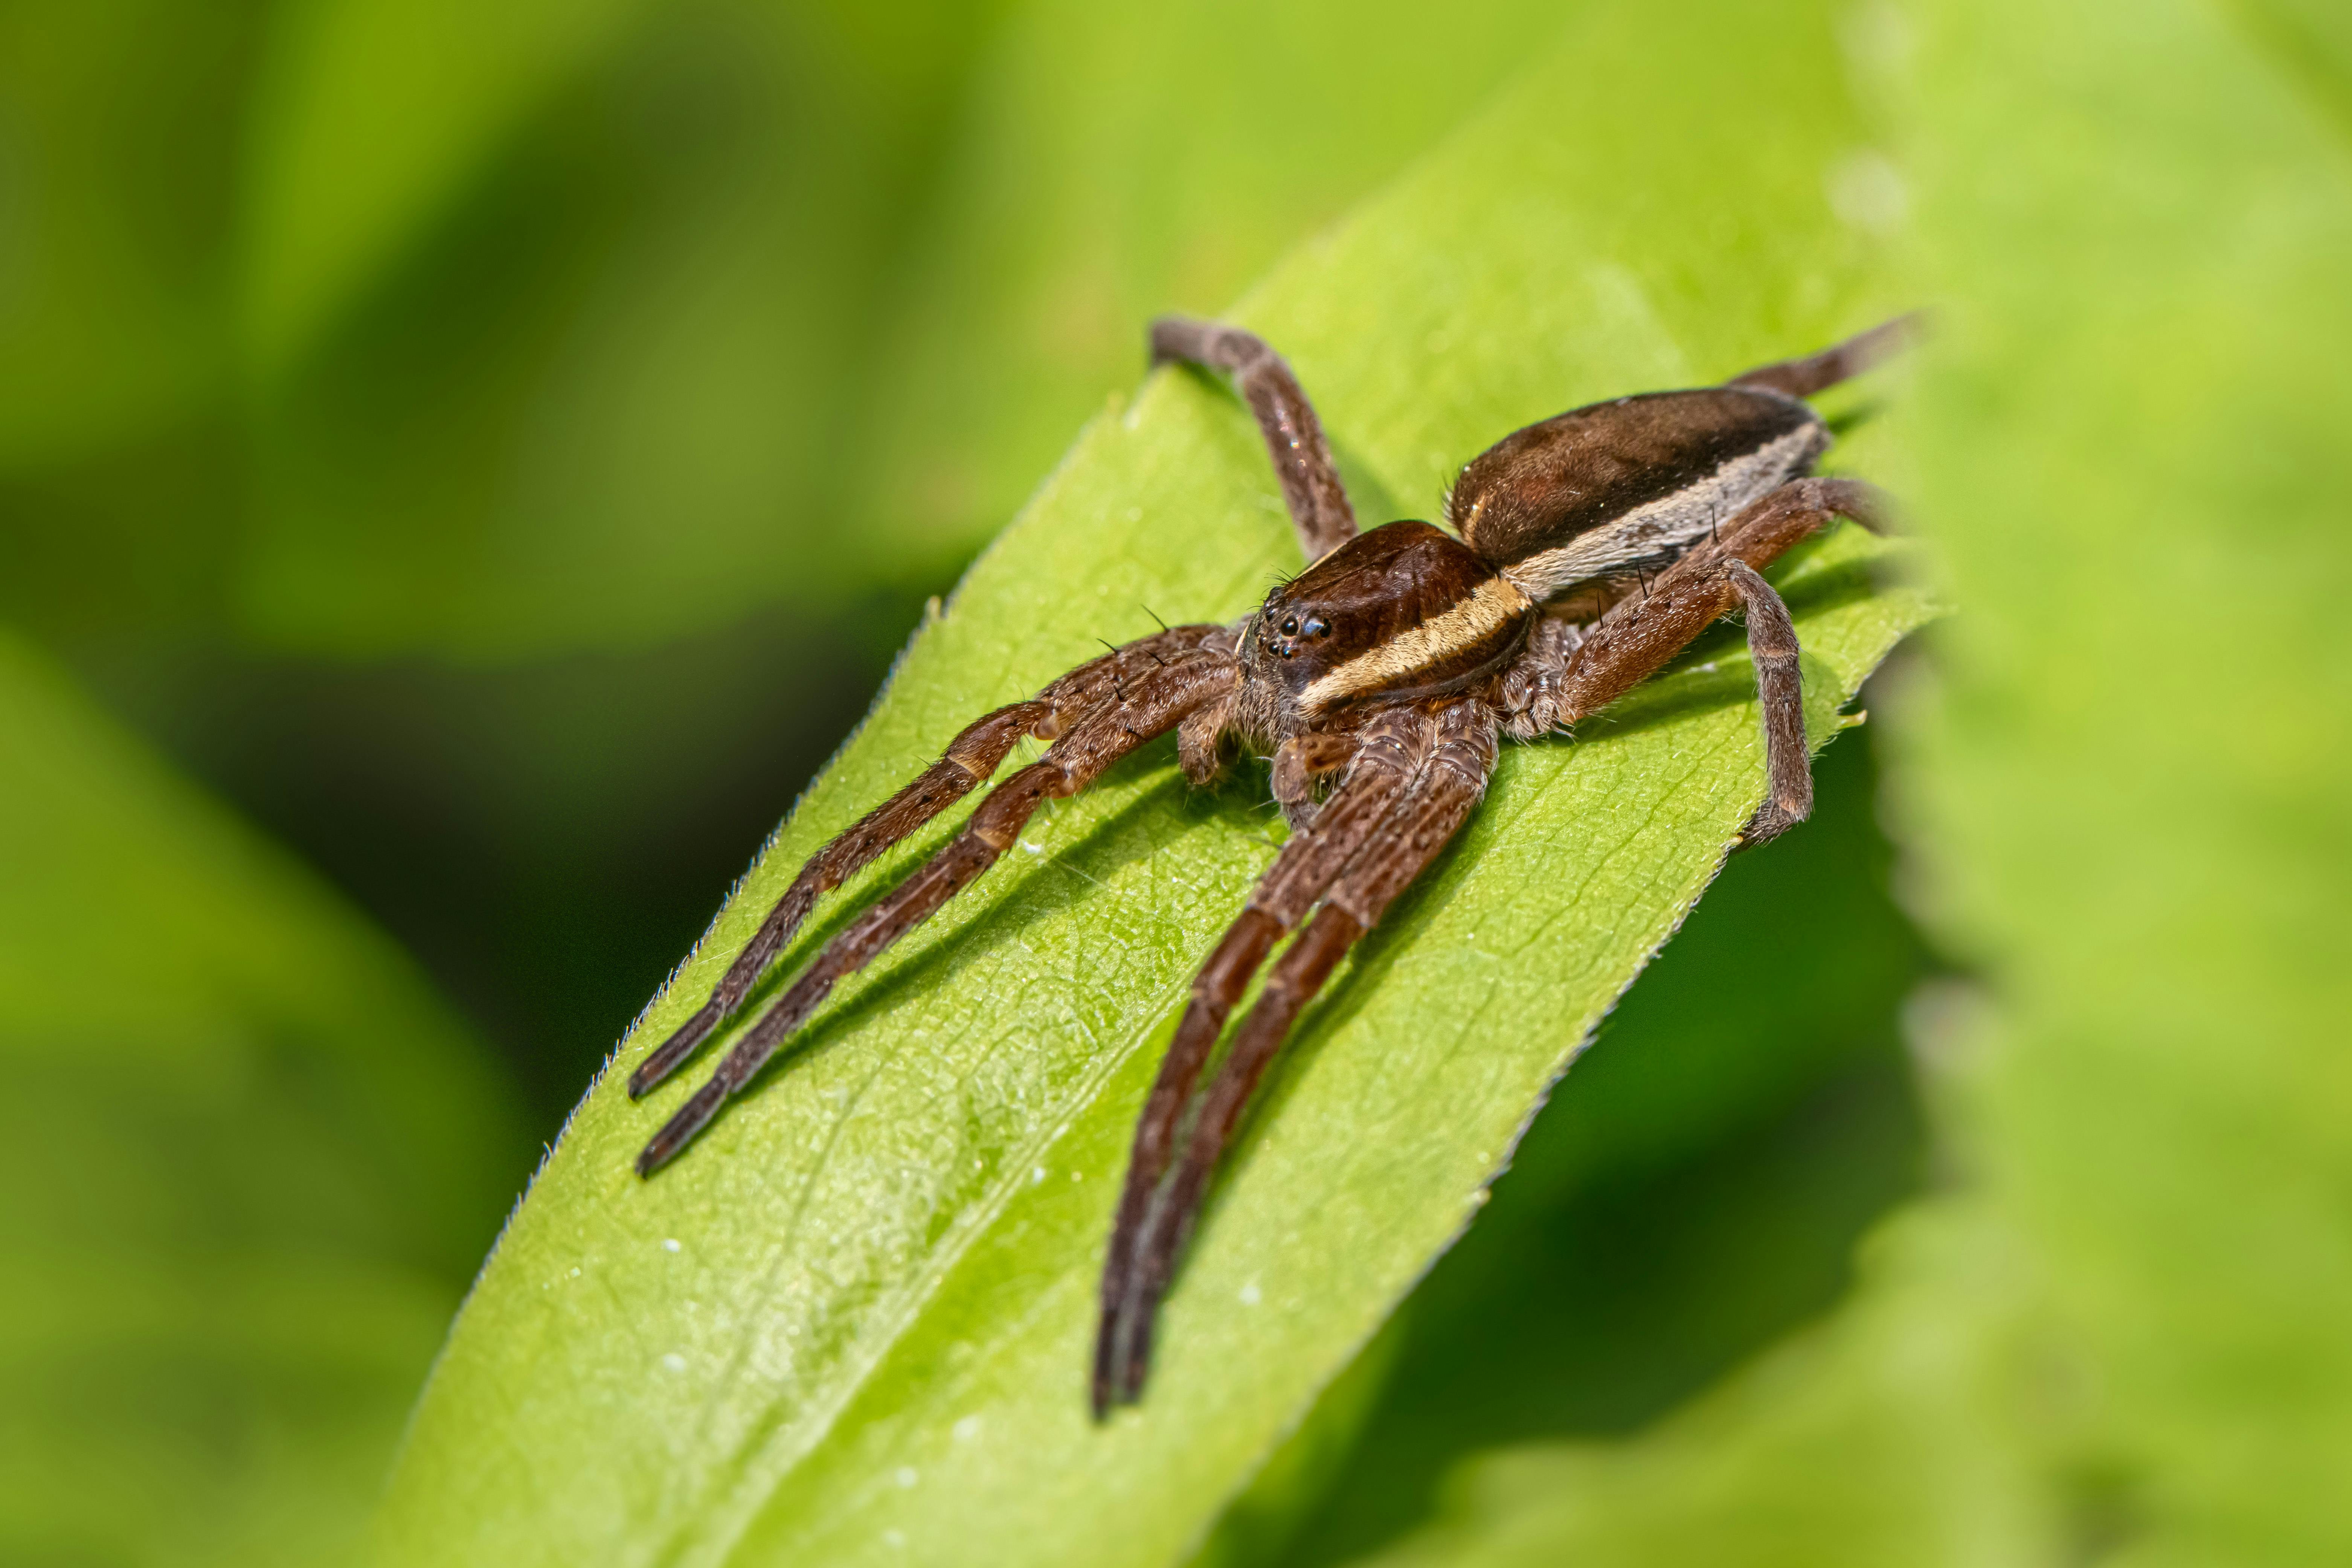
(673, 1052)
(681, 1130)
(1771, 820)
(1123, 1352)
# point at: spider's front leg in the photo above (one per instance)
(1414, 779)
(1638, 636)
(1097, 713)
(972, 758)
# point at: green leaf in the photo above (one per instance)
(853, 1322)
(251, 1162)
(117, 130)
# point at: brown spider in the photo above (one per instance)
(1591, 548)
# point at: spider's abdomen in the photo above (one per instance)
(1626, 486)
(1402, 611)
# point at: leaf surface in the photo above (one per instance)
(852, 1324)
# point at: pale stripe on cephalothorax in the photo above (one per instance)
(1654, 534)
(1492, 605)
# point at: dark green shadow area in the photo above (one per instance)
(1692, 1192)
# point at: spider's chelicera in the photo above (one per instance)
(1586, 550)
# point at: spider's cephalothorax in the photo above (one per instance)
(1588, 550)
(1398, 613)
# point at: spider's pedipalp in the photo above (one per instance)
(1298, 763)
(970, 759)
(1116, 710)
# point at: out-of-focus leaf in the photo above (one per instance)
(853, 1324)
(118, 127)
(2145, 228)
(251, 1162)
(114, 236)
(375, 119)
(2311, 42)
(1116, 161)
(2124, 1340)
(1854, 1446)
(605, 396)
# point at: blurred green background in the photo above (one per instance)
(463, 468)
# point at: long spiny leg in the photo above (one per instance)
(1294, 436)
(1391, 751)
(1145, 706)
(970, 759)
(1803, 378)
(1636, 637)
(1419, 822)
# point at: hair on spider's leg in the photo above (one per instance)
(1417, 823)
(1318, 503)
(970, 759)
(1149, 705)
(1528, 701)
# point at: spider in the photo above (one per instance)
(1586, 550)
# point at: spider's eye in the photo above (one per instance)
(1316, 627)
(1290, 627)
